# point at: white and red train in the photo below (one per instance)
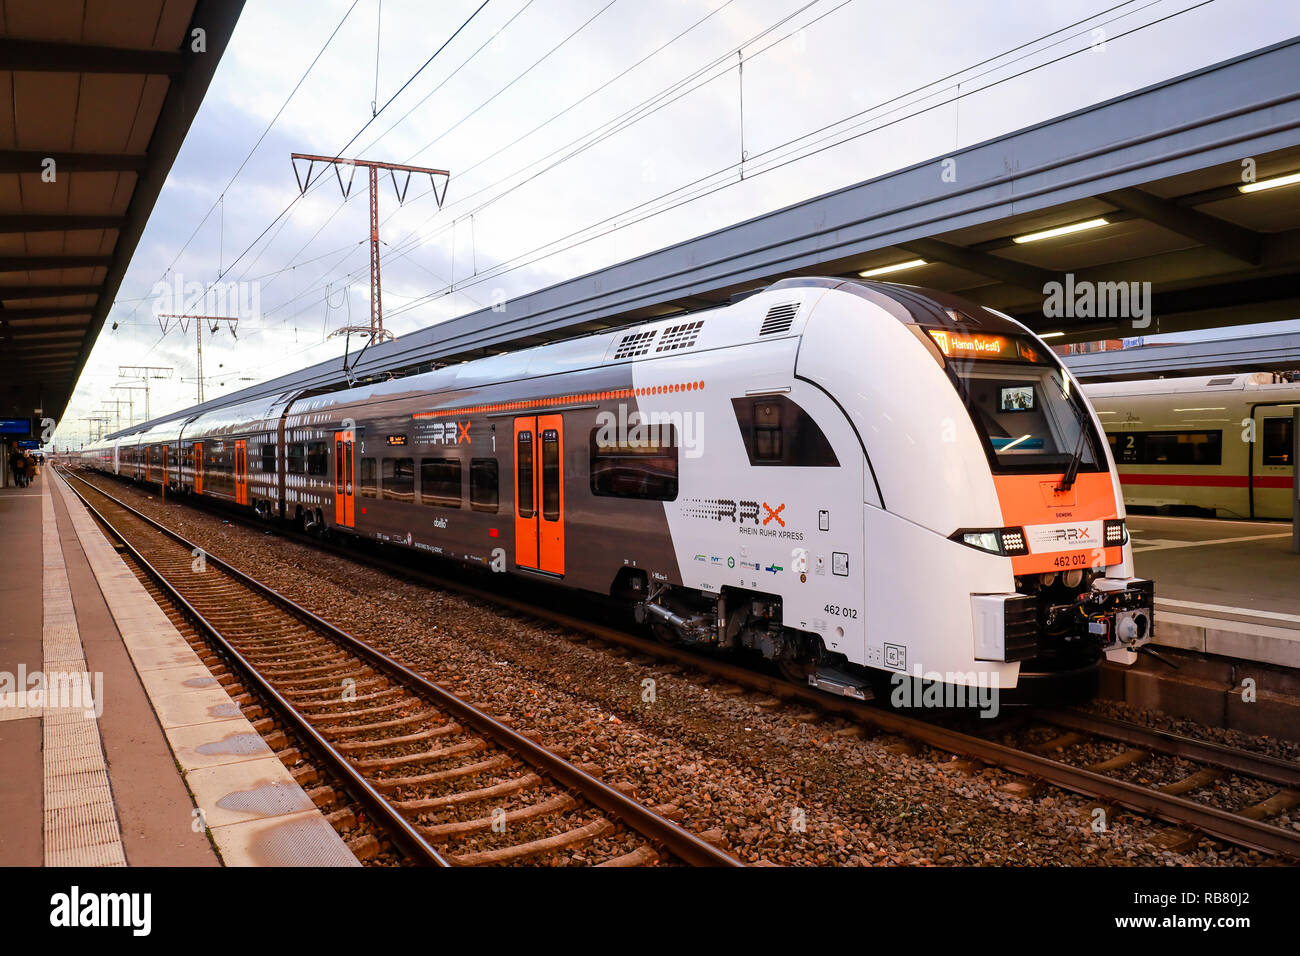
(1218, 445)
(854, 479)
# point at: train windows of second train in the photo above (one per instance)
(1277, 440)
(295, 459)
(484, 487)
(398, 482)
(440, 482)
(268, 459)
(367, 481)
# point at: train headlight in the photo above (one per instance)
(1113, 532)
(1002, 541)
(984, 540)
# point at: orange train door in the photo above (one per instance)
(344, 514)
(241, 472)
(164, 451)
(197, 453)
(539, 493)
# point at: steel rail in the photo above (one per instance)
(659, 829)
(1263, 766)
(407, 835)
(1222, 824)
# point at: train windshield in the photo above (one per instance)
(1029, 415)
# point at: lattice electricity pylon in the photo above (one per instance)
(199, 321)
(143, 373)
(375, 332)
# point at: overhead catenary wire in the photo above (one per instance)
(771, 155)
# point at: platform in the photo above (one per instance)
(134, 755)
(1229, 588)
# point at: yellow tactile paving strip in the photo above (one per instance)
(80, 822)
(256, 813)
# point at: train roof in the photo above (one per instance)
(1244, 381)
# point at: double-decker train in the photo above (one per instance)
(854, 479)
(1219, 445)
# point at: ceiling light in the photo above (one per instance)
(1061, 230)
(1050, 335)
(1290, 179)
(896, 267)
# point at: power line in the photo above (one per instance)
(507, 266)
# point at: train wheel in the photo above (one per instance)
(796, 671)
(663, 634)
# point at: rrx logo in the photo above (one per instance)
(449, 433)
(741, 511)
(1069, 534)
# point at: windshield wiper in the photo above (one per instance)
(1072, 472)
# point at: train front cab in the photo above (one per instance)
(997, 553)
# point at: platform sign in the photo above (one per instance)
(16, 426)
(31, 444)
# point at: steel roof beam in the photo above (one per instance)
(34, 161)
(33, 222)
(32, 263)
(1228, 238)
(1018, 274)
(42, 56)
(46, 291)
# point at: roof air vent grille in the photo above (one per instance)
(634, 344)
(680, 336)
(779, 318)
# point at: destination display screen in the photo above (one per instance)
(974, 345)
(16, 426)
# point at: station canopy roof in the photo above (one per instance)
(1163, 166)
(95, 100)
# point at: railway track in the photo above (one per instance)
(1171, 803)
(450, 783)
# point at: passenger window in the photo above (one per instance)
(268, 459)
(295, 459)
(776, 431)
(367, 478)
(484, 484)
(524, 468)
(644, 469)
(399, 479)
(440, 482)
(551, 474)
(1179, 448)
(1277, 442)
(318, 458)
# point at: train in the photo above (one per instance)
(1212, 445)
(867, 484)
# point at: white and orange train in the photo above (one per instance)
(1218, 445)
(854, 479)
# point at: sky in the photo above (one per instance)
(578, 133)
